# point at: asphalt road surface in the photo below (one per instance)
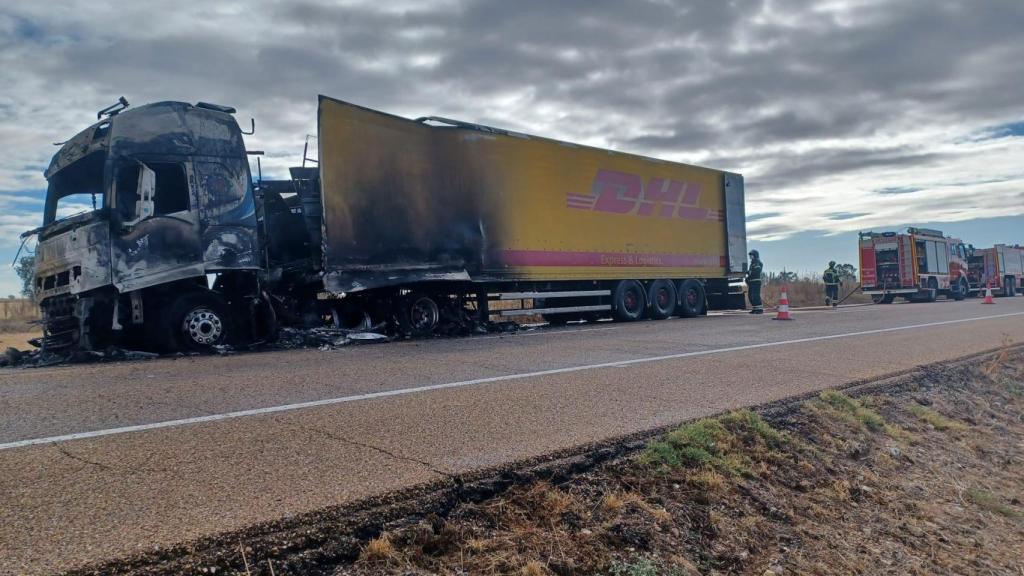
(103, 460)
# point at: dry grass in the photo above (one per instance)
(936, 420)
(534, 568)
(807, 292)
(989, 501)
(378, 550)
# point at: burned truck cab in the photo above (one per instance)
(150, 231)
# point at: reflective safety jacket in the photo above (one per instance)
(831, 276)
(754, 273)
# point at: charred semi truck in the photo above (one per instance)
(403, 222)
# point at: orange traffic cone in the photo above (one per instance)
(783, 306)
(988, 295)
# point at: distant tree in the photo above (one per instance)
(847, 272)
(789, 277)
(25, 268)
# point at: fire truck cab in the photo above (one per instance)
(918, 265)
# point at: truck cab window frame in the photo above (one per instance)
(172, 195)
(78, 185)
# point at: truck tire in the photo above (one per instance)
(691, 298)
(662, 296)
(961, 290)
(933, 290)
(420, 315)
(197, 321)
(882, 298)
(630, 301)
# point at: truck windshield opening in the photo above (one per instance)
(76, 189)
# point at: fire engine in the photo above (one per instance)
(1001, 266)
(918, 265)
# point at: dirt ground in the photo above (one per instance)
(923, 481)
(17, 340)
(918, 475)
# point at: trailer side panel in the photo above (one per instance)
(407, 202)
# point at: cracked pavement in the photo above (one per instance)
(86, 500)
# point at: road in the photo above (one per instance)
(103, 460)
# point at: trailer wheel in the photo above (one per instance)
(882, 298)
(691, 299)
(662, 296)
(199, 321)
(629, 301)
(421, 315)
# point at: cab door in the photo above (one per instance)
(155, 228)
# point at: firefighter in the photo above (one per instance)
(754, 283)
(831, 278)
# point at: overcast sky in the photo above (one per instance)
(842, 115)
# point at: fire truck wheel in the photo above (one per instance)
(691, 298)
(961, 290)
(933, 290)
(630, 301)
(882, 298)
(662, 296)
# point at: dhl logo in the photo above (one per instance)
(624, 193)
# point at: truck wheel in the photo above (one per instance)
(421, 315)
(629, 301)
(691, 299)
(933, 290)
(882, 298)
(961, 291)
(199, 321)
(662, 296)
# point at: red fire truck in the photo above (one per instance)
(1001, 265)
(917, 265)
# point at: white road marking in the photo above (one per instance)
(465, 383)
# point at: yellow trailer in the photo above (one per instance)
(408, 202)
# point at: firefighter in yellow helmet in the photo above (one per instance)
(832, 278)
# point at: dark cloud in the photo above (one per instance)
(898, 190)
(845, 215)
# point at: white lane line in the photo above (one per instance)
(464, 383)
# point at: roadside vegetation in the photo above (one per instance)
(808, 290)
(924, 480)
